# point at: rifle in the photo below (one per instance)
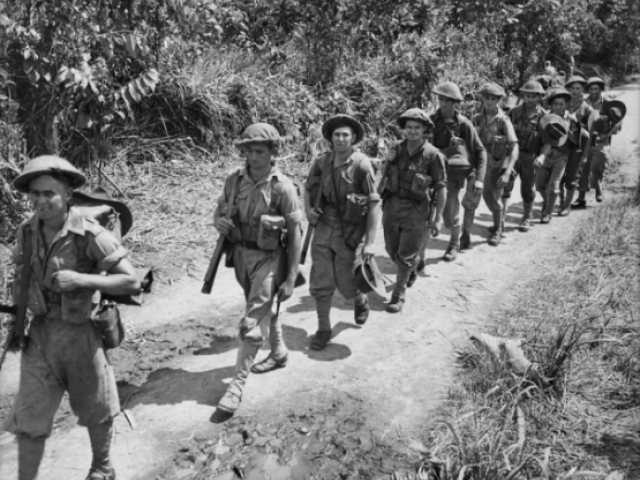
(222, 246)
(432, 217)
(316, 207)
(15, 335)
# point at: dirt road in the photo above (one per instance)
(387, 377)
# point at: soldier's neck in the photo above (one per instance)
(491, 112)
(341, 157)
(447, 114)
(260, 173)
(413, 145)
(531, 107)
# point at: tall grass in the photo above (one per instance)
(580, 329)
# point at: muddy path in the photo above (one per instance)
(358, 409)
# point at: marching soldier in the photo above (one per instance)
(593, 171)
(65, 351)
(264, 210)
(414, 172)
(342, 201)
(525, 118)
(561, 136)
(499, 138)
(455, 136)
(575, 163)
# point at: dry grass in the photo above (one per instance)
(580, 325)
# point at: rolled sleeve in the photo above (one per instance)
(314, 172)
(509, 131)
(439, 171)
(368, 185)
(106, 251)
(289, 204)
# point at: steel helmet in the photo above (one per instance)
(492, 89)
(47, 165)
(596, 81)
(449, 90)
(576, 79)
(416, 114)
(259, 133)
(532, 86)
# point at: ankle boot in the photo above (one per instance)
(101, 437)
(565, 208)
(525, 223)
(496, 236)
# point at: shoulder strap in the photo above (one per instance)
(25, 281)
(235, 186)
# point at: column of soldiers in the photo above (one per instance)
(445, 162)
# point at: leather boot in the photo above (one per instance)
(552, 197)
(101, 437)
(30, 452)
(452, 253)
(565, 208)
(246, 354)
(525, 223)
(323, 310)
(396, 303)
(496, 236)
(581, 202)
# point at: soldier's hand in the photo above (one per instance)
(313, 216)
(504, 179)
(286, 290)
(478, 186)
(367, 251)
(223, 225)
(457, 141)
(67, 280)
(539, 161)
(436, 227)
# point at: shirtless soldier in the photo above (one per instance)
(346, 221)
(265, 209)
(65, 351)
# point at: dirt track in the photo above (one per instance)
(385, 378)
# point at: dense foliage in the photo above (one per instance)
(91, 78)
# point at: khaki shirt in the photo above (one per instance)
(526, 127)
(350, 177)
(500, 125)
(461, 127)
(274, 194)
(581, 110)
(102, 252)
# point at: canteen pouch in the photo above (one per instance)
(458, 166)
(108, 322)
(270, 231)
(499, 147)
(357, 207)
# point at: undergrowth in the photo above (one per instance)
(573, 413)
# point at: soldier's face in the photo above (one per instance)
(49, 197)
(342, 139)
(257, 155)
(576, 90)
(490, 102)
(558, 106)
(594, 91)
(414, 130)
(446, 104)
(531, 99)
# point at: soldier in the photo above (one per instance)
(264, 210)
(593, 171)
(499, 139)
(414, 172)
(581, 110)
(65, 351)
(525, 118)
(346, 220)
(455, 136)
(560, 132)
